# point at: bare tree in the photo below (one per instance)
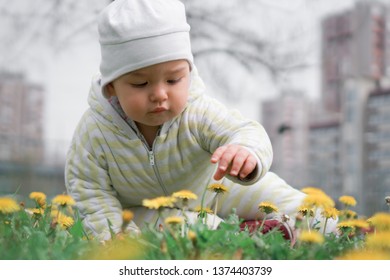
(239, 33)
(248, 38)
(220, 32)
(53, 25)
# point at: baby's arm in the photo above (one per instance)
(88, 182)
(240, 146)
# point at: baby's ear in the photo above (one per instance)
(110, 90)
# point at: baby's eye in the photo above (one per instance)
(139, 85)
(173, 81)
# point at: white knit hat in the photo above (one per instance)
(138, 33)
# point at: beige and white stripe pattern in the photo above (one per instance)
(109, 167)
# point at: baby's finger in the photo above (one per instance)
(219, 174)
(227, 157)
(218, 153)
(248, 167)
(238, 162)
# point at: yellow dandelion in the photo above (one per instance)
(312, 190)
(118, 249)
(54, 212)
(348, 214)
(158, 202)
(63, 200)
(330, 213)
(365, 255)
(150, 203)
(353, 225)
(345, 225)
(379, 240)
(185, 195)
(306, 211)
(380, 220)
(217, 188)
(39, 197)
(174, 220)
(361, 224)
(347, 200)
(191, 235)
(311, 237)
(204, 209)
(318, 200)
(35, 211)
(267, 207)
(64, 221)
(127, 216)
(8, 205)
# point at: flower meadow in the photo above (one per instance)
(38, 228)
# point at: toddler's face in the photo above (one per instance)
(155, 94)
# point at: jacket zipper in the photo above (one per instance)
(152, 161)
(151, 157)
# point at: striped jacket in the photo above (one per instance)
(109, 167)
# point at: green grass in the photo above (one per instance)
(27, 236)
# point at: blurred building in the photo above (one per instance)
(324, 168)
(346, 143)
(354, 99)
(354, 50)
(286, 121)
(377, 150)
(21, 119)
(354, 45)
(22, 145)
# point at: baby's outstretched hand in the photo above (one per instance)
(234, 160)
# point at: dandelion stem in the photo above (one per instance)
(202, 203)
(216, 209)
(183, 212)
(158, 218)
(326, 221)
(182, 229)
(262, 224)
(308, 223)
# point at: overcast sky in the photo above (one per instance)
(67, 74)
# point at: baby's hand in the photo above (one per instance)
(234, 160)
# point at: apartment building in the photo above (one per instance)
(21, 119)
(286, 121)
(354, 45)
(377, 150)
